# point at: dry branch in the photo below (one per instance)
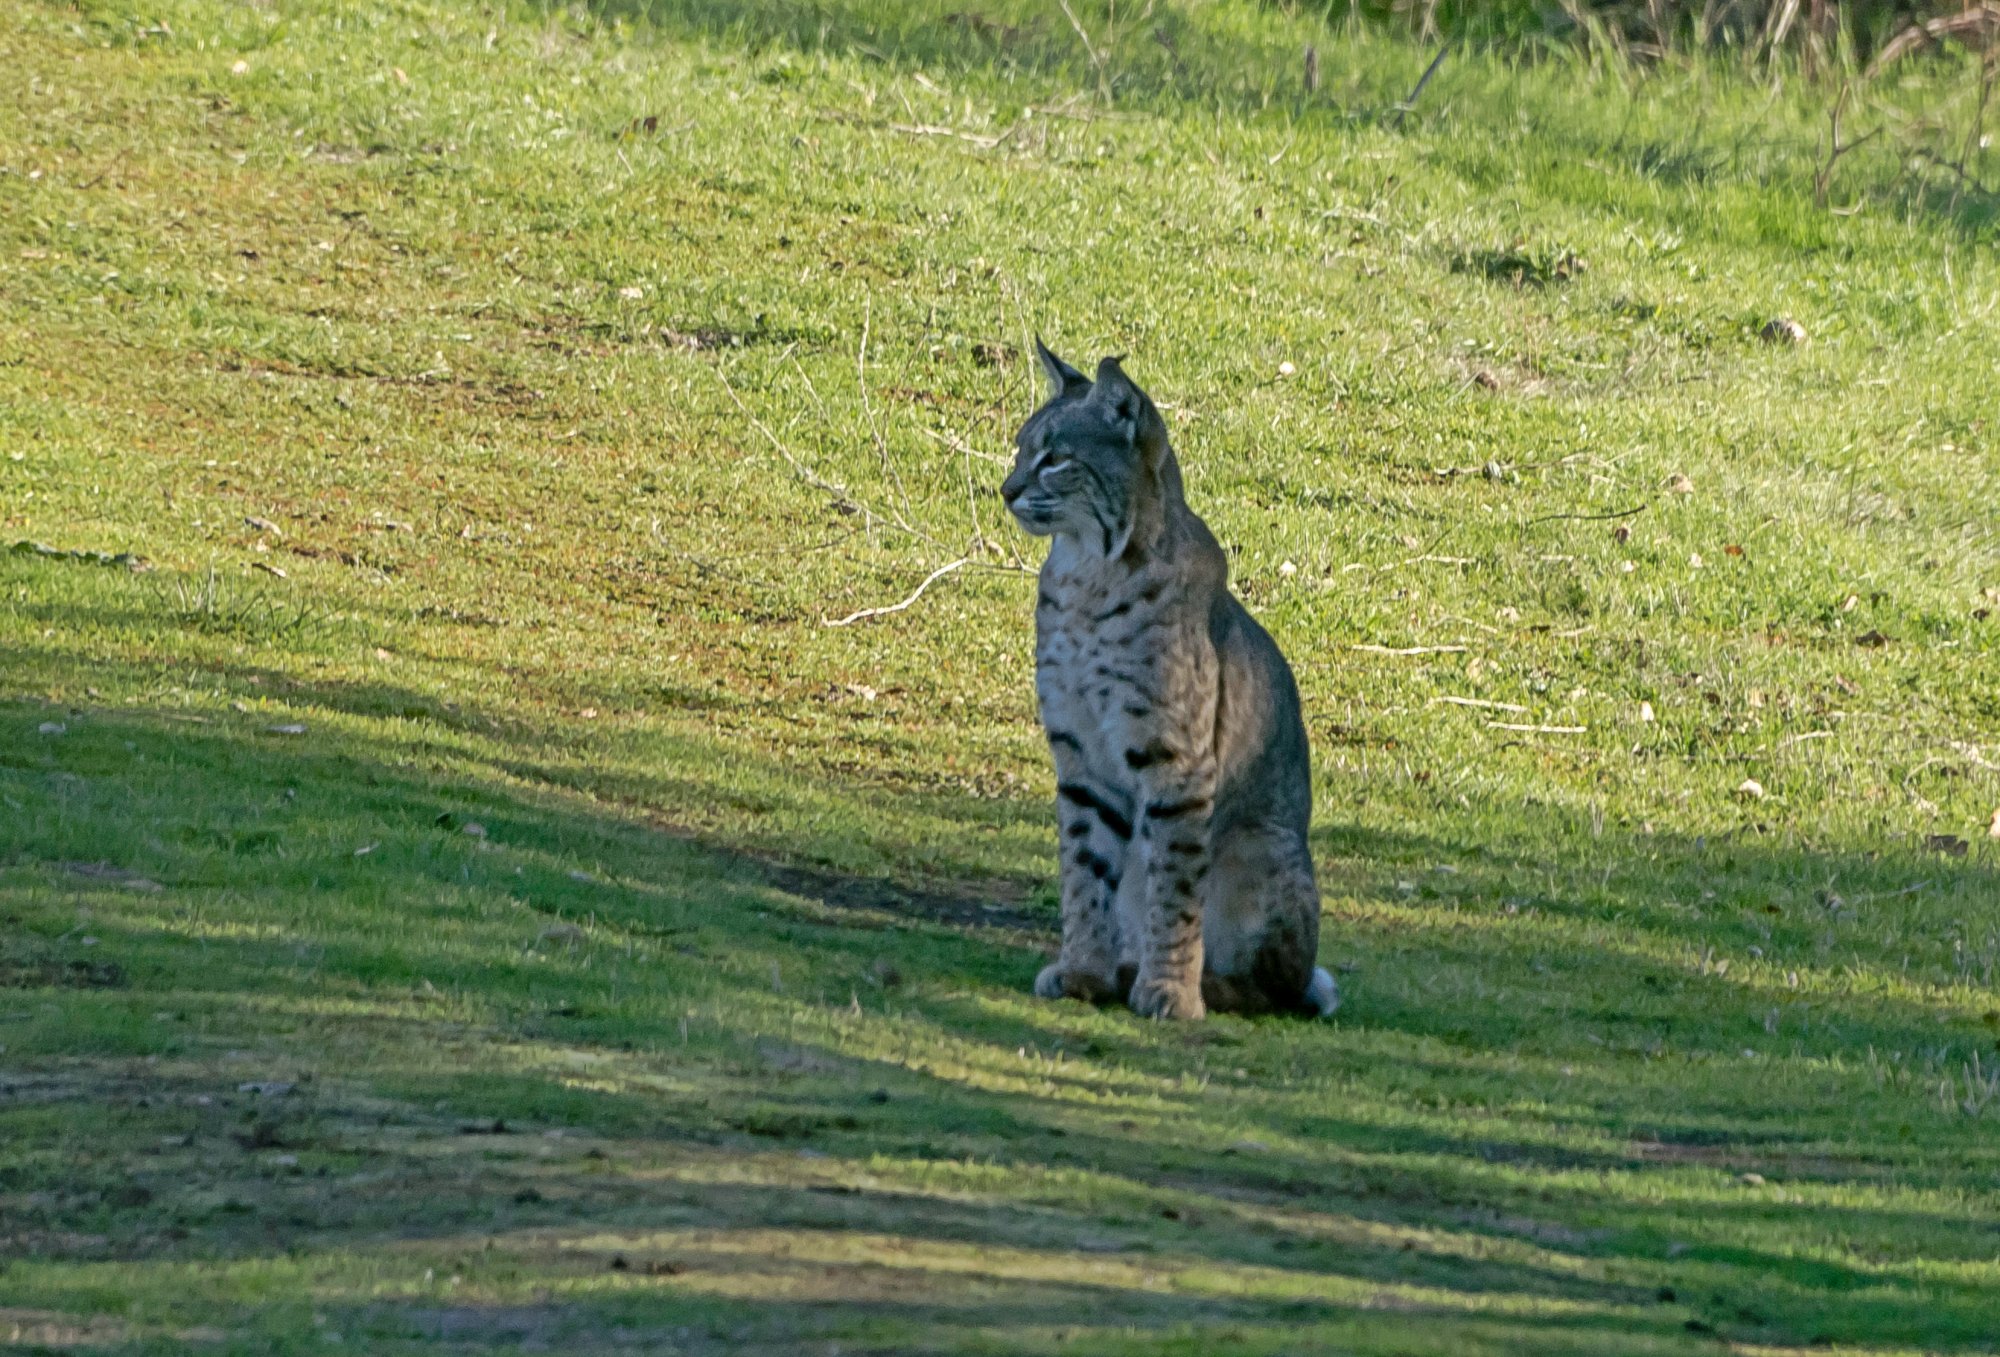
(1409, 650)
(1973, 19)
(1476, 702)
(929, 580)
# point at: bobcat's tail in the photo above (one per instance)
(1322, 995)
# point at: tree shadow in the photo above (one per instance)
(571, 968)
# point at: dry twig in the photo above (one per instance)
(1477, 702)
(929, 580)
(1835, 148)
(1410, 101)
(1409, 650)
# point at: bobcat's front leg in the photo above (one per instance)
(1174, 833)
(1096, 834)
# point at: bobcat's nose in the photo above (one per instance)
(1011, 491)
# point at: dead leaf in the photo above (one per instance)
(631, 294)
(1751, 789)
(289, 728)
(1783, 330)
(1948, 844)
(263, 525)
(267, 1088)
(239, 68)
(270, 569)
(472, 829)
(52, 728)
(1871, 638)
(1679, 484)
(401, 78)
(1993, 830)
(1732, 550)
(1645, 711)
(1621, 534)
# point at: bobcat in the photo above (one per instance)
(1182, 775)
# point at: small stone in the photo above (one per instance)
(1646, 712)
(1783, 330)
(1751, 789)
(1286, 369)
(1287, 569)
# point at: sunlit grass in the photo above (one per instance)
(621, 957)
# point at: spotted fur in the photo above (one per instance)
(1182, 777)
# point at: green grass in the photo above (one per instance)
(480, 904)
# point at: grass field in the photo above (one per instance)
(458, 894)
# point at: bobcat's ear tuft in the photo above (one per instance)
(1130, 406)
(1064, 380)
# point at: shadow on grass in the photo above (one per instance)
(812, 1063)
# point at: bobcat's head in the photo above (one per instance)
(1091, 459)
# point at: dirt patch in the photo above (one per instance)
(25, 964)
(52, 1329)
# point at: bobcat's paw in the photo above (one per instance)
(1157, 998)
(1056, 983)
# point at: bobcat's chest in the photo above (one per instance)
(1097, 662)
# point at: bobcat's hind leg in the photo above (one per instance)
(1260, 926)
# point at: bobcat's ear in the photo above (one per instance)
(1064, 380)
(1130, 407)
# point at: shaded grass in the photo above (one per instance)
(714, 1037)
